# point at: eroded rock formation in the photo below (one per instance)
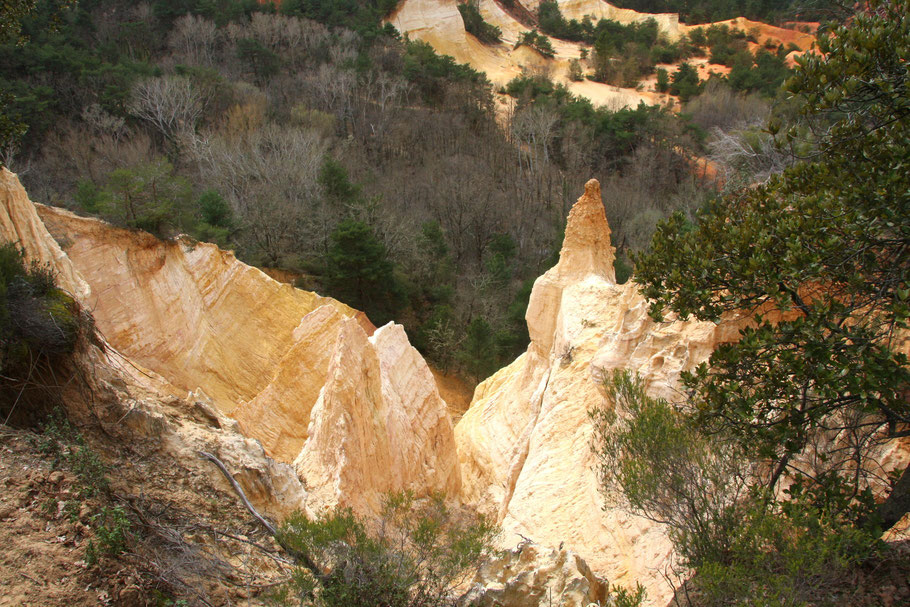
(121, 394)
(533, 576)
(439, 23)
(524, 445)
(187, 310)
(379, 424)
(357, 415)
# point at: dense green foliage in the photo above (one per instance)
(623, 53)
(816, 246)
(36, 318)
(762, 73)
(817, 385)
(685, 82)
(40, 325)
(703, 11)
(475, 25)
(745, 548)
(359, 272)
(360, 16)
(537, 41)
(415, 555)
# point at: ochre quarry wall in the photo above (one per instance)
(118, 391)
(524, 444)
(355, 409)
(187, 310)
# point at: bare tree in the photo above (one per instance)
(269, 175)
(195, 39)
(748, 151)
(534, 127)
(171, 103)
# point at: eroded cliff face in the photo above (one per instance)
(189, 311)
(524, 445)
(123, 396)
(355, 410)
(379, 408)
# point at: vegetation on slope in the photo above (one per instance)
(706, 11)
(275, 133)
(623, 54)
(475, 25)
(772, 477)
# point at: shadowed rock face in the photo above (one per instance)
(524, 445)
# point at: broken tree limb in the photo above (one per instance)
(239, 491)
(299, 556)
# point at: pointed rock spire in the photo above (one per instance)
(586, 251)
(586, 248)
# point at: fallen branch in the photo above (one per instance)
(239, 490)
(299, 557)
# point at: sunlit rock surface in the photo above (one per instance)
(533, 576)
(357, 415)
(524, 444)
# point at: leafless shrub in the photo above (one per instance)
(719, 106)
(195, 39)
(171, 103)
(749, 153)
(269, 175)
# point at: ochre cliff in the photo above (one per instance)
(123, 396)
(379, 408)
(329, 411)
(357, 415)
(189, 311)
(524, 444)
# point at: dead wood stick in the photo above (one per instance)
(298, 555)
(239, 490)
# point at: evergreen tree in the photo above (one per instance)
(821, 257)
(359, 273)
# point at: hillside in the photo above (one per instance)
(440, 23)
(256, 255)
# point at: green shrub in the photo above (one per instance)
(537, 41)
(475, 25)
(663, 80)
(478, 354)
(112, 531)
(415, 555)
(685, 82)
(36, 318)
(576, 74)
(359, 272)
(61, 440)
(623, 597)
(149, 196)
(744, 547)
